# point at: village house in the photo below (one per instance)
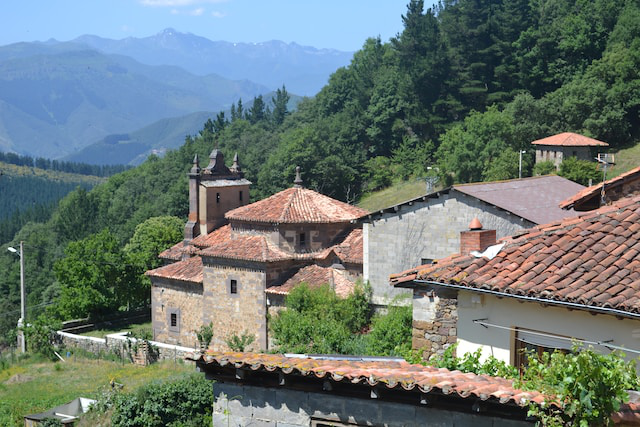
(427, 228)
(558, 147)
(238, 261)
(603, 193)
(573, 280)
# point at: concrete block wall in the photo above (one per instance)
(430, 229)
(240, 405)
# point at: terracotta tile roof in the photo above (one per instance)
(177, 251)
(297, 205)
(390, 374)
(189, 270)
(569, 139)
(592, 261)
(316, 276)
(248, 247)
(535, 199)
(594, 191)
(217, 235)
(351, 249)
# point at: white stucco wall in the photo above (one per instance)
(394, 242)
(560, 321)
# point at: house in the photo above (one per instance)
(323, 391)
(558, 147)
(623, 185)
(418, 231)
(238, 261)
(573, 280)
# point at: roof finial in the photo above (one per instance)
(297, 183)
(196, 165)
(236, 165)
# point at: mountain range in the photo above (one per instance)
(57, 98)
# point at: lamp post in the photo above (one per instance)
(23, 307)
(520, 164)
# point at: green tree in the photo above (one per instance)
(151, 237)
(580, 171)
(468, 150)
(95, 278)
(280, 109)
(391, 332)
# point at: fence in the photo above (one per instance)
(120, 344)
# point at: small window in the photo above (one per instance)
(425, 261)
(240, 195)
(303, 239)
(173, 319)
(217, 197)
(233, 286)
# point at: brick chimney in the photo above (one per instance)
(476, 239)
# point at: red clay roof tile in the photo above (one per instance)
(316, 276)
(565, 263)
(297, 205)
(594, 191)
(189, 270)
(569, 139)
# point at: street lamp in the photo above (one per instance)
(520, 164)
(23, 307)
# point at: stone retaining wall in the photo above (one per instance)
(120, 344)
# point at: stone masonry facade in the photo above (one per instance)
(235, 313)
(426, 230)
(435, 322)
(183, 300)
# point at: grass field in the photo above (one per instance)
(35, 385)
(397, 193)
(136, 330)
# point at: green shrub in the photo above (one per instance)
(185, 402)
(240, 342)
(205, 335)
(580, 171)
(318, 321)
(544, 168)
(391, 332)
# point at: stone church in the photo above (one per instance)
(238, 261)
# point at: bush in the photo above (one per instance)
(391, 332)
(185, 402)
(41, 335)
(580, 171)
(544, 168)
(318, 321)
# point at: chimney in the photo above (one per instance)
(476, 239)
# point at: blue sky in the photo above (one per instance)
(338, 24)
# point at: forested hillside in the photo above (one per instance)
(459, 92)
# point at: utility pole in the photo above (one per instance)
(23, 301)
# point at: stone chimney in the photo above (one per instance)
(476, 239)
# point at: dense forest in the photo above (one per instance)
(61, 165)
(457, 93)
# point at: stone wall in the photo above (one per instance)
(243, 405)
(120, 345)
(425, 230)
(435, 322)
(234, 313)
(183, 299)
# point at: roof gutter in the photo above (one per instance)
(565, 304)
